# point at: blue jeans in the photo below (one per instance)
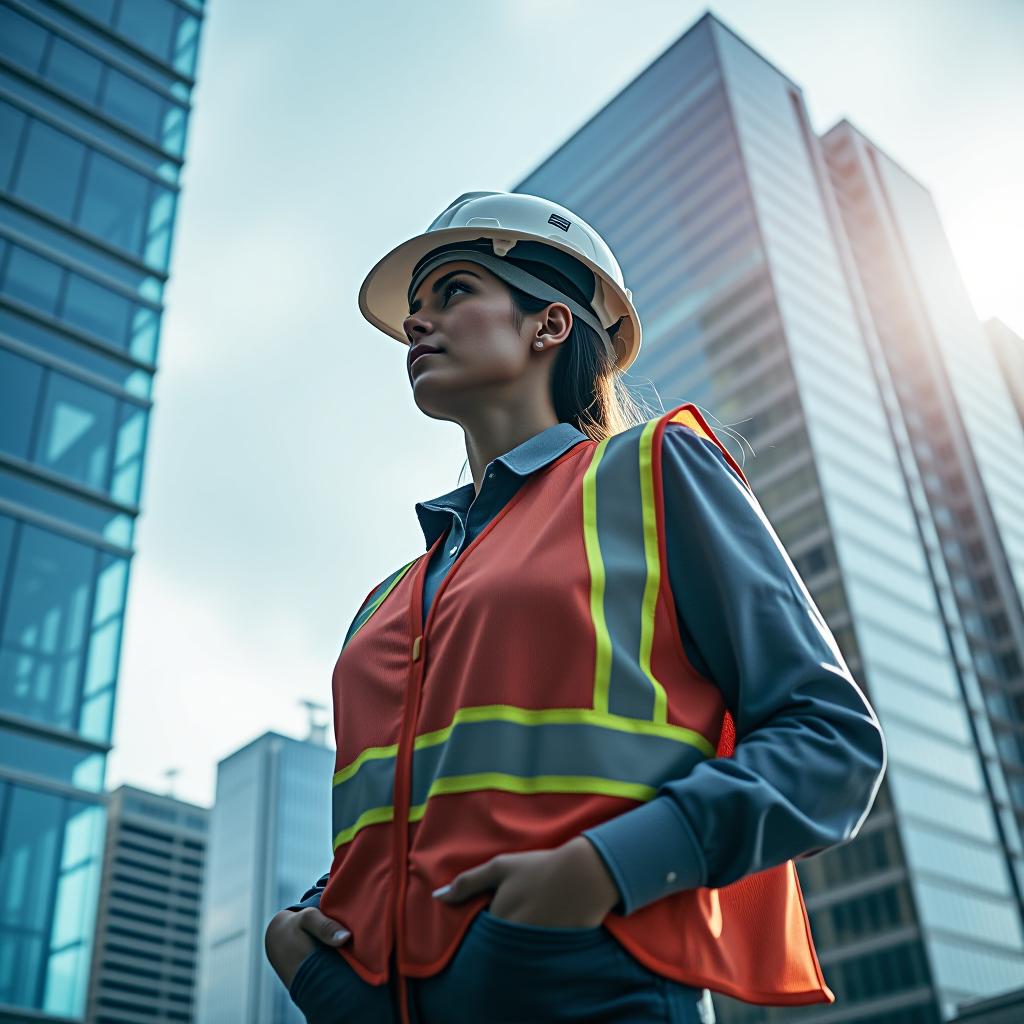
(507, 973)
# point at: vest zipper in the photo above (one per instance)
(402, 798)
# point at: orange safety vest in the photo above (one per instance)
(548, 691)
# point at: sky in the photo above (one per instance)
(285, 452)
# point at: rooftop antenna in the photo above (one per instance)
(171, 774)
(317, 730)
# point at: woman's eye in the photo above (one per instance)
(449, 286)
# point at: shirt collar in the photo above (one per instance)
(526, 458)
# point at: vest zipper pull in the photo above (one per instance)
(416, 648)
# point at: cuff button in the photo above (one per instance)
(670, 877)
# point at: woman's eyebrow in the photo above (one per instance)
(438, 284)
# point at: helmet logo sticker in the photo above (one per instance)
(559, 222)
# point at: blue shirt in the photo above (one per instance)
(809, 754)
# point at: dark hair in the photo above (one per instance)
(587, 388)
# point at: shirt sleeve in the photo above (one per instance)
(311, 897)
(809, 754)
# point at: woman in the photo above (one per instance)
(582, 738)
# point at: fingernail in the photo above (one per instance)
(340, 935)
(442, 891)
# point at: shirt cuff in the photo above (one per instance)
(309, 901)
(651, 852)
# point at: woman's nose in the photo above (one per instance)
(415, 326)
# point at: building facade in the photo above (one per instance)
(94, 105)
(270, 839)
(146, 948)
(1008, 349)
(707, 180)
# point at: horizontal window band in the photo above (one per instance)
(522, 750)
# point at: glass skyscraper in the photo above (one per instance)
(94, 104)
(270, 836)
(707, 180)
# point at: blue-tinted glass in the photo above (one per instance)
(172, 131)
(111, 583)
(21, 41)
(145, 327)
(19, 392)
(51, 759)
(50, 169)
(32, 279)
(30, 843)
(101, 10)
(74, 69)
(186, 42)
(158, 233)
(76, 431)
(148, 24)
(114, 203)
(59, 503)
(55, 342)
(128, 454)
(97, 310)
(6, 540)
(42, 650)
(131, 102)
(11, 123)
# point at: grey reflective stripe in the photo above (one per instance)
(621, 538)
(520, 750)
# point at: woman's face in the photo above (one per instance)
(466, 311)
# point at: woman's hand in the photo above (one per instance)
(293, 934)
(567, 887)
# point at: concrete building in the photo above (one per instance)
(707, 180)
(94, 105)
(147, 929)
(270, 839)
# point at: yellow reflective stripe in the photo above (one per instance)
(653, 581)
(534, 784)
(377, 603)
(603, 652)
(370, 753)
(375, 816)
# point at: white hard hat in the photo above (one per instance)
(527, 227)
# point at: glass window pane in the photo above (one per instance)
(50, 169)
(101, 10)
(128, 453)
(97, 310)
(131, 102)
(77, 427)
(19, 391)
(74, 69)
(148, 24)
(172, 130)
(32, 279)
(158, 233)
(42, 649)
(51, 759)
(114, 203)
(11, 123)
(21, 41)
(186, 41)
(145, 328)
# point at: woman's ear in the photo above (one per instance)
(555, 325)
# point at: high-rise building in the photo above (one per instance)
(1009, 352)
(707, 180)
(94, 103)
(965, 434)
(146, 951)
(270, 839)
